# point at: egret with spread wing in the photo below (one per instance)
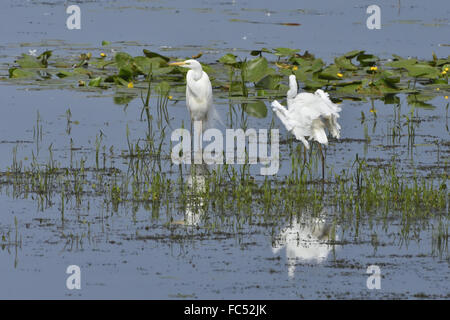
(307, 115)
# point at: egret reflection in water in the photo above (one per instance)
(306, 240)
(196, 183)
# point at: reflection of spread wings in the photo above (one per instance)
(304, 240)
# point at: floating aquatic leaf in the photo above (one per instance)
(123, 59)
(367, 59)
(151, 54)
(228, 59)
(352, 54)
(16, 73)
(330, 73)
(64, 74)
(259, 52)
(422, 70)
(390, 77)
(301, 74)
(350, 88)
(314, 84)
(126, 73)
(28, 61)
(143, 65)
(271, 82)
(345, 63)
(257, 69)
(285, 52)
(256, 109)
(441, 62)
(96, 82)
(105, 43)
(403, 63)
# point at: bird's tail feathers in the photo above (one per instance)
(318, 132)
(326, 98)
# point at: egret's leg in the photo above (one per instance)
(323, 161)
(304, 155)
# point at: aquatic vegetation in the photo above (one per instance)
(132, 179)
(354, 75)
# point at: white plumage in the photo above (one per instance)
(307, 114)
(199, 97)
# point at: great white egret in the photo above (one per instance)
(199, 97)
(307, 115)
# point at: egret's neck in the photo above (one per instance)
(197, 73)
(292, 92)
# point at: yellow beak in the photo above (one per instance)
(181, 63)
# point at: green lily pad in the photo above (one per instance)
(350, 55)
(330, 73)
(28, 61)
(390, 77)
(366, 60)
(285, 52)
(314, 84)
(150, 54)
(271, 82)
(256, 109)
(403, 63)
(123, 59)
(422, 70)
(229, 59)
(144, 65)
(64, 74)
(351, 88)
(16, 73)
(96, 82)
(345, 63)
(257, 69)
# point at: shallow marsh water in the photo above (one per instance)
(178, 247)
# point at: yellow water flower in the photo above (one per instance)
(446, 97)
(444, 72)
(373, 68)
(294, 68)
(340, 75)
(373, 110)
(130, 85)
(437, 89)
(170, 97)
(446, 69)
(102, 54)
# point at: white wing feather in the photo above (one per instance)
(308, 115)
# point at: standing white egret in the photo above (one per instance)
(307, 115)
(199, 100)
(199, 97)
